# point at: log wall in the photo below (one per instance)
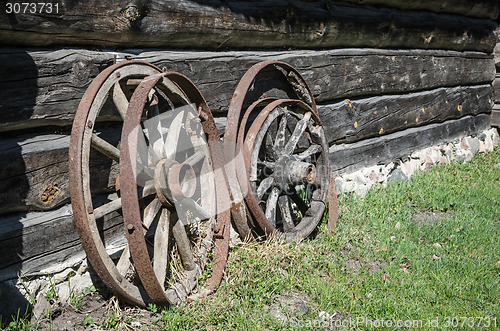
(389, 76)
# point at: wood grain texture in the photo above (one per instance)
(482, 9)
(34, 168)
(34, 172)
(496, 89)
(352, 120)
(31, 242)
(219, 24)
(382, 150)
(53, 82)
(495, 116)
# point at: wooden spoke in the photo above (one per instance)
(297, 133)
(311, 150)
(279, 142)
(146, 191)
(105, 148)
(197, 211)
(286, 216)
(124, 262)
(183, 245)
(161, 242)
(264, 186)
(108, 208)
(271, 206)
(270, 147)
(150, 213)
(266, 164)
(195, 158)
(155, 136)
(120, 100)
(173, 136)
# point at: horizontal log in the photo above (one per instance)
(496, 89)
(34, 173)
(35, 241)
(356, 119)
(350, 157)
(34, 168)
(53, 82)
(482, 9)
(495, 116)
(222, 24)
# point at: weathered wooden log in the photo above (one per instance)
(482, 9)
(352, 120)
(496, 88)
(34, 169)
(495, 116)
(34, 172)
(350, 157)
(40, 88)
(35, 241)
(222, 24)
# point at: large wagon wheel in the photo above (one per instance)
(109, 89)
(169, 153)
(296, 200)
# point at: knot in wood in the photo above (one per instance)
(131, 13)
(50, 193)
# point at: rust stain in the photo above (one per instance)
(355, 125)
(423, 110)
(50, 193)
(381, 131)
(459, 107)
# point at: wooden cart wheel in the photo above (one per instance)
(172, 232)
(247, 121)
(105, 102)
(286, 152)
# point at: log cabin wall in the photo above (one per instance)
(495, 113)
(390, 77)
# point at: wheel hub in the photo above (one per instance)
(174, 181)
(289, 171)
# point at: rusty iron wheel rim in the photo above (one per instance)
(236, 130)
(84, 212)
(314, 181)
(192, 257)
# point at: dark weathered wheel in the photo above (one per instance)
(165, 151)
(95, 137)
(280, 200)
(287, 157)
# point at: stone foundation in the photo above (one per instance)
(461, 150)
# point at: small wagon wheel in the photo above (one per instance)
(286, 154)
(249, 122)
(109, 89)
(172, 233)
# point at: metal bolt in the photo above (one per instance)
(90, 210)
(117, 73)
(130, 228)
(89, 124)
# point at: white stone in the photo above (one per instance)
(495, 137)
(63, 276)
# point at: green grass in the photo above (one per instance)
(392, 234)
(393, 226)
